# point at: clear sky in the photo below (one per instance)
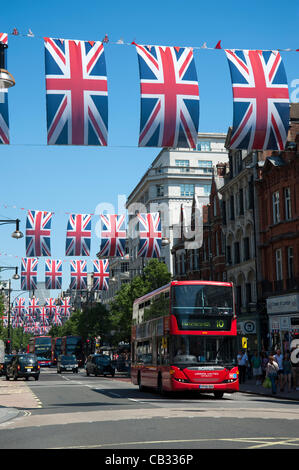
(77, 179)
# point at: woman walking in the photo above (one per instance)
(272, 369)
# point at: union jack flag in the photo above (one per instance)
(5, 320)
(261, 100)
(38, 231)
(29, 273)
(78, 275)
(36, 329)
(17, 322)
(53, 273)
(50, 306)
(34, 308)
(28, 320)
(19, 309)
(78, 235)
(56, 319)
(65, 307)
(113, 235)
(44, 317)
(77, 93)
(4, 122)
(101, 274)
(150, 235)
(169, 97)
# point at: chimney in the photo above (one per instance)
(221, 169)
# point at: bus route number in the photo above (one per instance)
(220, 324)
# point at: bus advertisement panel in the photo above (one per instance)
(184, 337)
(41, 346)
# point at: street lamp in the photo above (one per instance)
(6, 78)
(17, 233)
(15, 277)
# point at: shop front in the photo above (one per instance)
(283, 313)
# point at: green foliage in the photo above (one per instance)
(155, 275)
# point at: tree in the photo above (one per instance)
(155, 275)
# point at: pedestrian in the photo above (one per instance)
(279, 358)
(242, 364)
(256, 368)
(272, 369)
(264, 361)
(287, 371)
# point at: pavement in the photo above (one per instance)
(16, 397)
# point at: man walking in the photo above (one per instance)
(242, 364)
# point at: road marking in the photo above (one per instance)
(245, 440)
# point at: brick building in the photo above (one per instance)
(278, 208)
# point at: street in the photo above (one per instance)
(74, 411)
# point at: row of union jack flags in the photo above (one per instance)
(53, 274)
(77, 96)
(37, 318)
(78, 235)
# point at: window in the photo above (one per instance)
(228, 255)
(248, 292)
(160, 190)
(206, 166)
(204, 146)
(187, 189)
(238, 297)
(287, 203)
(184, 164)
(206, 188)
(290, 260)
(237, 252)
(275, 207)
(232, 208)
(223, 206)
(246, 248)
(241, 202)
(278, 260)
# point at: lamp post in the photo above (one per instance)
(17, 233)
(6, 78)
(15, 277)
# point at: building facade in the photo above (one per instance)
(175, 176)
(278, 197)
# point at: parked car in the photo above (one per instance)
(44, 361)
(23, 366)
(7, 359)
(67, 364)
(99, 364)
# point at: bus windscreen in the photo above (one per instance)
(202, 299)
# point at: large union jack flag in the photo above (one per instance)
(101, 274)
(78, 275)
(56, 319)
(53, 273)
(29, 273)
(4, 122)
(65, 307)
(34, 308)
(78, 235)
(38, 232)
(113, 235)
(150, 235)
(77, 93)
(169, 97)
(261, 100)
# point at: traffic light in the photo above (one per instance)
(8, 346)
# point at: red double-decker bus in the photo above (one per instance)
(184, 337)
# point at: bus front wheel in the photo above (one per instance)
(218, 394)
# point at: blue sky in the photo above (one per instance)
(77, 179)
